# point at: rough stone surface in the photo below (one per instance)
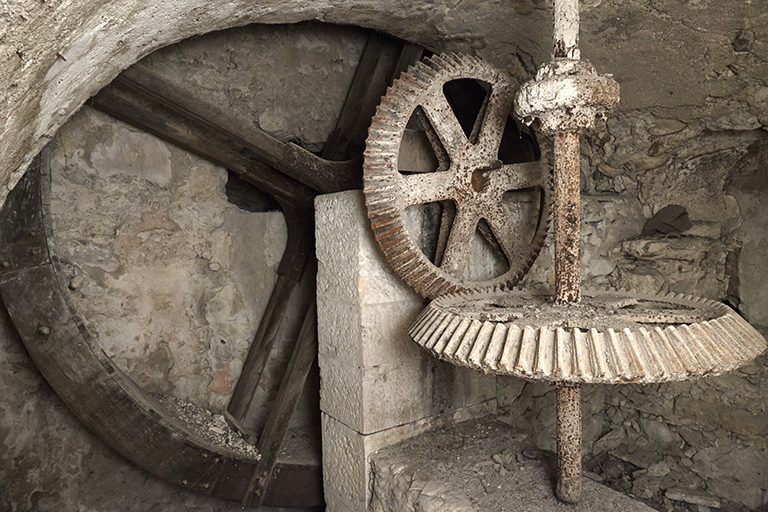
(347, 470)
(704, 74)
(704, 435)
(374, 377)
(168, 274)
(256, 71)
(50, 463)
(748, 188)
(477, 466)
(633, 165)
(155, 255)
(377, 386)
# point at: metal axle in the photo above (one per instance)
(567, 219)
(568, 442)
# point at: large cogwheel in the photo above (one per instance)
(474, 186)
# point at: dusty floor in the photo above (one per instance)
(479, 465)
(486, 465)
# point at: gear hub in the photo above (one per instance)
(566, 96)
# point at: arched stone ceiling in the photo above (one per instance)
(686, 59)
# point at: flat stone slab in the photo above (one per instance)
(479, 465)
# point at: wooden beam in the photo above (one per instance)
(382, 60)
(304, 353)
(288, 158)
(142, 112)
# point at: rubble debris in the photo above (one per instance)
(210, 426)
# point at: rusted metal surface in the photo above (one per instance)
(567, 218)
(568, 432)
(566, 96)
(611, 337)
(470, 176)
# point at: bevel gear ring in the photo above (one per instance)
(470, 180)
(611, 337)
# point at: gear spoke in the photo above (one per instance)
(519, 176)
(459, 243)
(423, 188)
(494, 119)
(446, 221)
(507, 236)
(434, 140)
(443, 120)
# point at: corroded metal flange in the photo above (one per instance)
(470, 177)
(566, 96)
(610, 337)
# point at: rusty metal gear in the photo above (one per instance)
(611, 337)
(470, 181)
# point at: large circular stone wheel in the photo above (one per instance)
(471, 182)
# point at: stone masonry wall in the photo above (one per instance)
(171, 263)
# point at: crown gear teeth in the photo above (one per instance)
(611, 337)
(386, 189)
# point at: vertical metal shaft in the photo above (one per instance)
(566, 32)
(568, 442)
(567, 218)
(585, 95)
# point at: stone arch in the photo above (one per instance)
(58, 54)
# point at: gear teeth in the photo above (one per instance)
(645, 354)
(382, 180)
(430, 70)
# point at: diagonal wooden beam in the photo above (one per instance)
(383, 59)
(322, 175)
(143, 112)
(287, 399)
(288, 173)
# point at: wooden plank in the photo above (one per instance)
(372, 77)
(299, 219)
(297, 204)
(410, 55)
(259, 351)
(22, 240)
(143, 113)
(288, 158)
(295, 486)
(291, 386)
